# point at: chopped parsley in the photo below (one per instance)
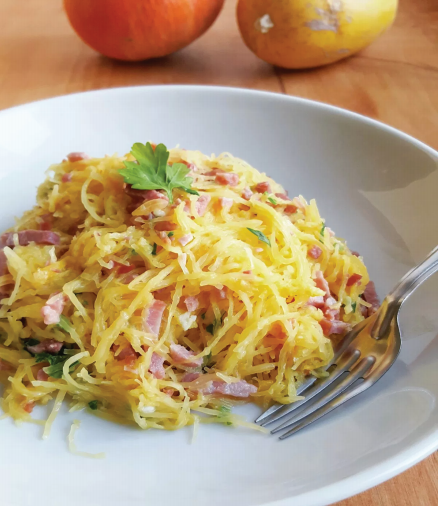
(213, 327)
(271, 199)
(85, 303)
(133, 252)
(93, 405)
(31, 342)
(170, 234)
(154, 249)
(353, 306)
(260, 236)
(65, 324)
(56, 363)
(207, 361)
(152, 172)
(321, 233)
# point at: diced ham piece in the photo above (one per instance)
(370, 296)
(29, 407)
(225, 203)
(355, 253)
(25, 237)
(66, 178)
(247, 272)
(165, 226)
(246, 194)
(190, 376)
(42, 376)
(227, 178)
(282, 196)
(181, 355)
(77, 156)
(152, 316)
(185, 239)
(156, 368)
(45, 222)
(127, 352)
(290, 209)
(263, 187)
(191, 303)
(4, 366)
(3, 264)
(163, 235)
(354, 279)
(240, 389)
(315, 252)
(317, 301)
(53, 308)
(47, 346)
(202, 203)
(321, 282)
(122, 268)
(333, 326)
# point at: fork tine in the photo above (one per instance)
(364, 365)
(327, 408)
(344, 364)
(339, 350)
(277, 407)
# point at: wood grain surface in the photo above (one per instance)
(395, 80)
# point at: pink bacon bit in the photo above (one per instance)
(317, 301)
(181, 355)
(190, 376)
(42, 376)
(370, 296)
(156, 368)
(28, 407)
(52, 310)
(77, 156)
(263, 187)
(66, 178)
(47, 346)
(185, 239)
(165, 226)
(290, 209)
(122, 268)
(191, 303)
(315, 252)
(3, 264)
(333, 326)
(227, 178)
(201, 204)
(165, 238)
(25, 237)
(152, 316)
(247, 193)
(45, 222)
(4, 366)
(240, 389)
(282, 196)
(354, 279)
(225, 202)
(322, 283)
(128, 352)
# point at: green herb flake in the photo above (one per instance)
(207, 361)
(354, 306)
(260, 236)
(152, 172)
(133, 252)
(170, 234)
(65, 324)
(85, 303)
(210, 329)
(56, 363)
(93, 405)
(154, 249)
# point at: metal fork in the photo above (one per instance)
(361, 359)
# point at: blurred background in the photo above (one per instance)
(394, 80)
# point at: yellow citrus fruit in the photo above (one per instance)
(300, 34)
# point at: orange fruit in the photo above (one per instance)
(298, 34)
(140, 29)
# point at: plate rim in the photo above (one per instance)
(387, 468)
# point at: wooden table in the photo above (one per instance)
(395, 81)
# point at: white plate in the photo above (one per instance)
(376, 187)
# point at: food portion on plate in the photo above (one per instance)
(163, 287)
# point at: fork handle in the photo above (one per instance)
(410, 281)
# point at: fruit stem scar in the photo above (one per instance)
(264, 24)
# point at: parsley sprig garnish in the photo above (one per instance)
(152, 172)
(56, 363)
